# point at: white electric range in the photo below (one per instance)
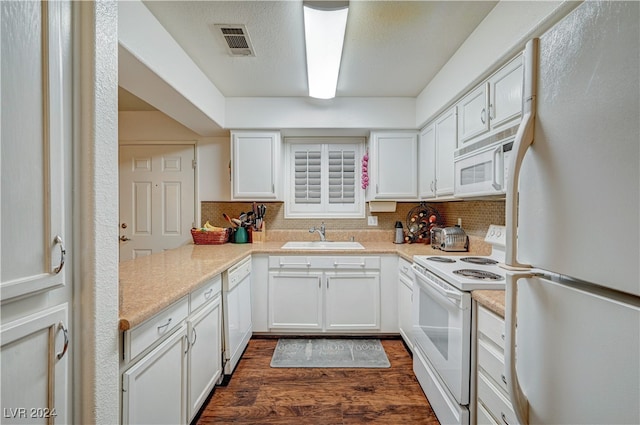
(442, 320)
(466, 272)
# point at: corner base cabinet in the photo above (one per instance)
(154, 389)
(173, 360)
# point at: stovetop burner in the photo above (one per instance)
(478, 274)
(479, 260)
(441, 259)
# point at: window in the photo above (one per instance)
(323, 178)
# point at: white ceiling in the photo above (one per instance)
(392, 48)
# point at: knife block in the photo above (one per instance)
(259, 236)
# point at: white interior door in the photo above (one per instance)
(157, 198)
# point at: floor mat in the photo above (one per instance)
(312, 352)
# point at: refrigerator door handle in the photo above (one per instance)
(524, 138)
(517, 396)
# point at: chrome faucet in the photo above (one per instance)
(320, 231)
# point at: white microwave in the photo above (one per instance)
(483, 172)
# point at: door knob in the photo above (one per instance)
(123, 238)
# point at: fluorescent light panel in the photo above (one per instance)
(324, 36)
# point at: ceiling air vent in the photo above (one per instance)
(236, 39)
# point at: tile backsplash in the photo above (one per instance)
(476, 217)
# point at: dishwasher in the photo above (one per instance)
(236, 307)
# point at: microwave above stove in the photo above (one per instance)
(483, 172)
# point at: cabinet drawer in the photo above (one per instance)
(206, 292)
(352, 262)
(491, 326)
(492, 362)
(143, 336)
(496, 403)
(483, 417)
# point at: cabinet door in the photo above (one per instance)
(474, 119)
(34, 368)
(446, 137)
(205, 354)
(237, 316)
(393, 166)
(295, 301)
(353, 301)
(33, 137)
(255, 166)
(505, 93)
(427, 162)
(154, 389)
(405, 302)
(35, 174)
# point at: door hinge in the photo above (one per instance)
(194, 163)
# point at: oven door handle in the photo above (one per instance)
(422, 280)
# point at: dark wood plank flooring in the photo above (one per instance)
(259, 394)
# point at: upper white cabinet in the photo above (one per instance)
(505, 94)
(427, 162)
(435, 156)
(255, 166)
(393, 166)
(492, 105)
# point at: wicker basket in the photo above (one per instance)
(209, 237)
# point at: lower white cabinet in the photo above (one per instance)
(405, 301)
(324, 294)
(492, 405)
(34, 368)
(176, 359)
(205, 354)
(295, 300)
(237, 312)
(154, 389)
(352, 301)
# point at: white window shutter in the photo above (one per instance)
(323, 178)
(308, 176)
(342, 176)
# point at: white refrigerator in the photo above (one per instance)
(573, 224)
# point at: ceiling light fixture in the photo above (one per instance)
(324, 27)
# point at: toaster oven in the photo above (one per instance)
(449, 239)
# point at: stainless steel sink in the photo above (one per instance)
(322, 245)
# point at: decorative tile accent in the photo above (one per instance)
(476, 217)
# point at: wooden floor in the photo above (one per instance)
(259, 394)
